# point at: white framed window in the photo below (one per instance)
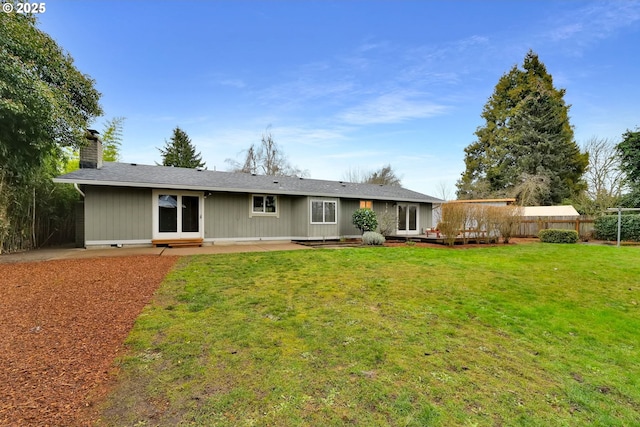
(324, 212)
(264, 204)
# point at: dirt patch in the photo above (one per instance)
(62, 323)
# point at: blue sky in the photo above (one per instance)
(349, 85)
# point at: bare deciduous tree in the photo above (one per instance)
(266, 159)
(531, 189)
(383, 176)
(605, 180)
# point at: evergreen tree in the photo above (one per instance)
(526, 148)
(180, 152)
(629, 152)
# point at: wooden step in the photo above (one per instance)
(177, 243)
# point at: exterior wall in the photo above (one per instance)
(228, 216)
(300, 215)
(125, 215)
(349, 206)
(79, 226)
(426, 217)
(115, 214)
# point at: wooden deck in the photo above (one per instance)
(177, 243)
(436, 237)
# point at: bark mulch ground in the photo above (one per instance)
(62, 323)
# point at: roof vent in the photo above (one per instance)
(275, 181)
(253, 174)
(134, 164)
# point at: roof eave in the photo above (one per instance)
(238, 190)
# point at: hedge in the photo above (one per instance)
(553, 235)
(606, 228)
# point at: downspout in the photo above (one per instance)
(75, 185)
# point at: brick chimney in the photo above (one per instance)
(91, 154)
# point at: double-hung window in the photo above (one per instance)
(323, 211)
(262, 204)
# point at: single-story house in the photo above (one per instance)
(133, 204)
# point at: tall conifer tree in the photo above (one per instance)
(526, 149)
(180, 152)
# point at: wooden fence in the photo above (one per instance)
(530, 227)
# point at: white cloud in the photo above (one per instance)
(395, 107)
(310, 136)
(594, 22)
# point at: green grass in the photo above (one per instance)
(526, 335)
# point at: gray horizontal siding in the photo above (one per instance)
(227, 216)
(120, 214)
(349, 206)
(117, 213)
(426, 216)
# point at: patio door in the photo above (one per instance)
(407, 219)
(177, 214)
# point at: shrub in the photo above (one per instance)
(553, 235)
(509, 219)
(453, 218)
(365, 219)
(386, 223)
(372, 238)
(606, 228)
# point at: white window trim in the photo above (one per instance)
(252, 213)
(335, 202)
(179, 234)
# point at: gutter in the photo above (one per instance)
(75, 185)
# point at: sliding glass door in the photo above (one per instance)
(407, 219)
(177, 215)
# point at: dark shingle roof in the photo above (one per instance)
(132, 175)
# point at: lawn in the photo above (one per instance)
(518, 335)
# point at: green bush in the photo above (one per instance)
(365, 219)
(372, 238)
(606, 228)
(553, 235)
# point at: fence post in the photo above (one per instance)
(619, 224)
